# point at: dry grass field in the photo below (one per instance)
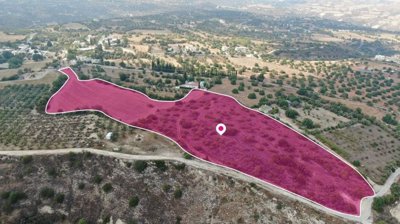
(4, 37)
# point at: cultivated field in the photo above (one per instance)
(372, 146)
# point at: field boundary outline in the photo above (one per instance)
(226, 167)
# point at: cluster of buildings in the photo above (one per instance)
(183, 48)
(88, 59)
(238, 50)
(24, 49)
(193, 85)
(394, 58)
(90, 42)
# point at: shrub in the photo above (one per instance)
(380, 202)
(252, 96)
(52, 172)
(140, 166)
(47, 192)
(180, 166)
(27, 159)
(133, 202)
(178, 193)
(15, 196)
(356, 163)
(187, 155)
(279, 205)
(166, 187)
(291, 114)
(60, 198)
(82, 221)
(308, 123)
(235, 91)
(97, 179)
(81, 186)
(395, 190)
(5, 195)
(161, 165)
(107, 187)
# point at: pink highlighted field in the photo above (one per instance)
(253, 143)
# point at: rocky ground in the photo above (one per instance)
(84, 188)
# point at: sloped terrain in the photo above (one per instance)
(52, 189)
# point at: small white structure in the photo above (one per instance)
(241, 49)
(224, 48)
(109, 135)
(190, 85)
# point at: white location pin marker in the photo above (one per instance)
(221, 128)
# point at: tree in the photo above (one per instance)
(7, 55)
(98, 52)
(15, 62)
(308, 123)
(235, 91)
(123, 77)
(260, 77)
(71, 55)
(302, 91)
(378, 204)
(263, 101)
(252, 96)
(241, 86)
(291, 114)
(37, 57)
(122, 64)
(389, 119)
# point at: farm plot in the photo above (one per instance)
(24, 127)
(370, 146)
